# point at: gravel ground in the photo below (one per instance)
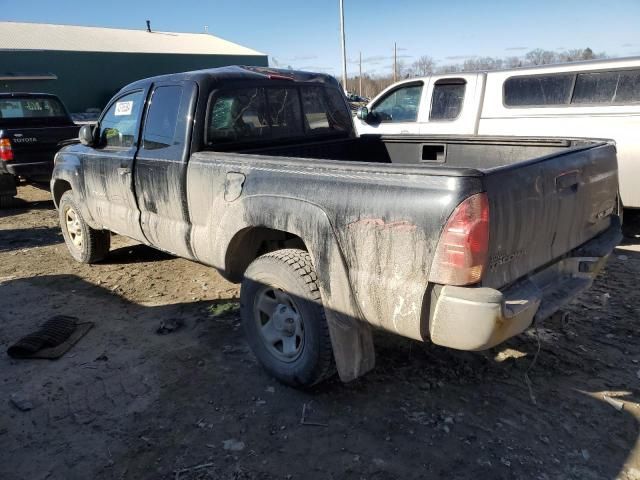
(128, 403)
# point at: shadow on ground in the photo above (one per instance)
(136, 254)
(129, 403)
(20, 205)
(21, 238)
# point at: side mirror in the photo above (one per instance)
(86, 135)
(362, 113)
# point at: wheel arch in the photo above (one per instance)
(251, 242)
(272, 223)
(58, 189)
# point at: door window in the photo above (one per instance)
(162, 118)
(447, 99)
(118, 127)
(401, 105)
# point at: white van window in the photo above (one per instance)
(622, 86)
(583, 88)
(447, 99)
(538, 90)
(401, 105)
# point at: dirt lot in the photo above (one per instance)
(128, 403)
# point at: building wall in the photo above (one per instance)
(89, 79)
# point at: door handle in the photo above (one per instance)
(124, 170)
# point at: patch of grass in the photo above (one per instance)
(223, 308)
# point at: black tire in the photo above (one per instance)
(93, 245)
(631, 223)
(8, 201)
(290, 275)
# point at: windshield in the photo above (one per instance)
(14, 108)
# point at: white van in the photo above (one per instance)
(599, 98)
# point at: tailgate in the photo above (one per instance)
(31, 145)
(541, 210)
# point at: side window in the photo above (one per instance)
(447, 99)
(238, 115)
(162, 118)
(595, 87)
(118, 127)
(622, 86)
(628, 87)
(538, 90)
(401, 105)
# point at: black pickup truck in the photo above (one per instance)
(33, 127)
(462, 241)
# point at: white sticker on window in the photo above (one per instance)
(124, 108)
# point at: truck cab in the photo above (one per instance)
(438, 104)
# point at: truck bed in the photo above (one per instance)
(547, 196)
(465, 152)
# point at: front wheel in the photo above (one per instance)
(86, 244)
(283, 318)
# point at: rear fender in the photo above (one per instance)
(351, 336)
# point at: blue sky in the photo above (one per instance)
(305, 33)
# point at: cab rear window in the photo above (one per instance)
(270, 113)
(31, 108)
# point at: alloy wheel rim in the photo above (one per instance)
(279, 323)
(74, 229)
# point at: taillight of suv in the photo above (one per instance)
(6, 152)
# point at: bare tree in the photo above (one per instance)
(451, 68)
(481, 64)
(423, 66)
(541, 57)
(513, 62)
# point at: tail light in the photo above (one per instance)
(461, 254)
(6, 153)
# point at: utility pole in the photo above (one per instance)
(360, 77)
(395, 62)
(344, 51)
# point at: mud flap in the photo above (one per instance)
(8, 185)
(352, 342)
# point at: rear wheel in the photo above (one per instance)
(283, 318)
(86, 244)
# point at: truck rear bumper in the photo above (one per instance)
(36, 171)
(479, 318)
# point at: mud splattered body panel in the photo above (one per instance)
(369, 210)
